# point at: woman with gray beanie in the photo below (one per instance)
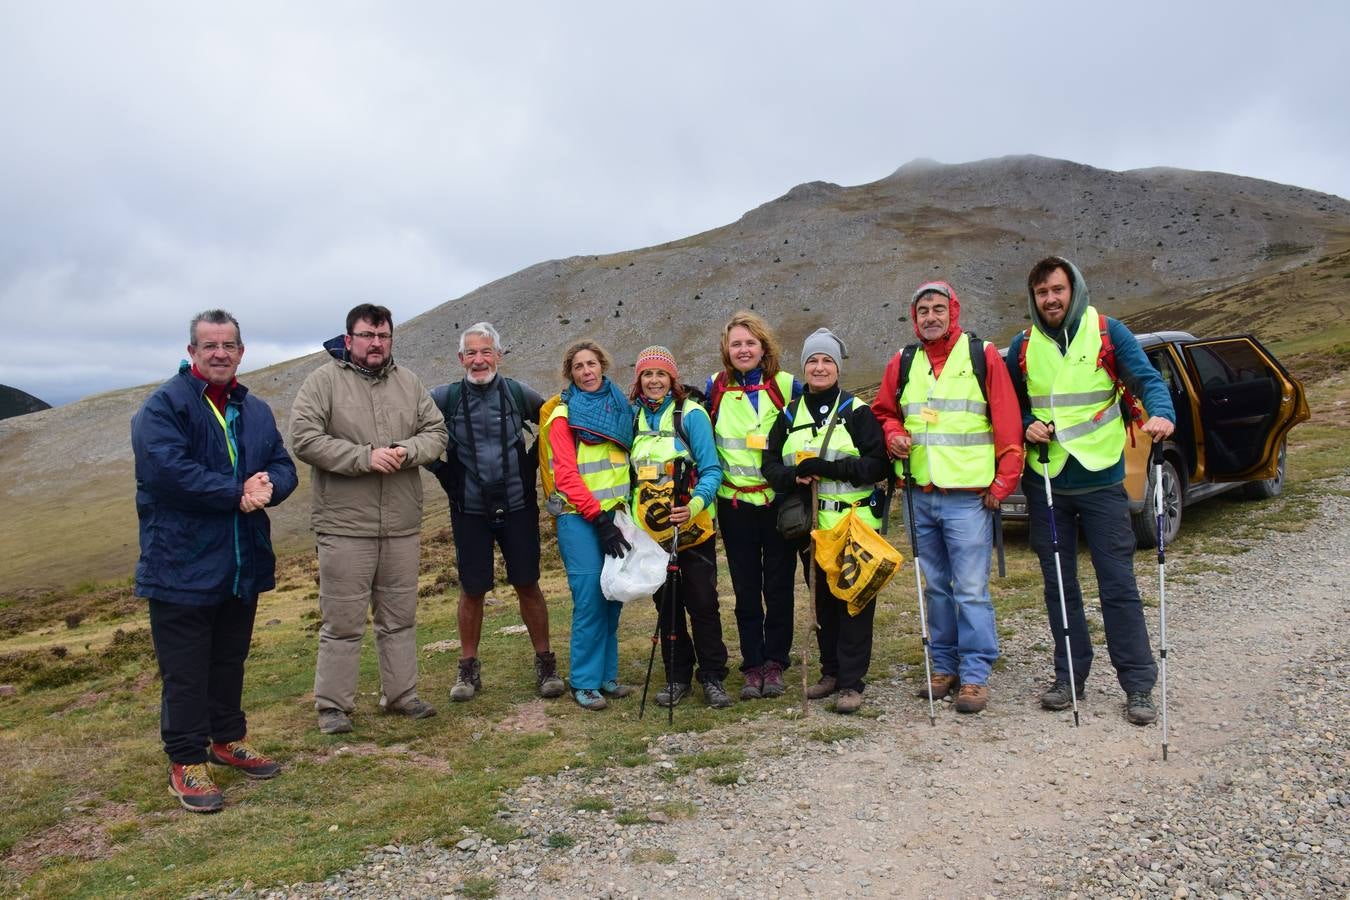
(830, 439)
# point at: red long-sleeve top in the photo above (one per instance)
(1004, 413)
(566, 478)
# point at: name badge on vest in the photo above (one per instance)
(648, 473)
(756, 442)
(618, 457)
(928, 415)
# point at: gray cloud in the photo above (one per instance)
(286, 161)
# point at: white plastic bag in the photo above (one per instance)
(641, 571)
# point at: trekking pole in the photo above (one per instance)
(667, 598)
(810, 589)
(1044, 456)
(677, 498)
(1162, 586)
(918, 586)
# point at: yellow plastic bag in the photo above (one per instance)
(857, 561)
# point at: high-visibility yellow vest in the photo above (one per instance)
(603, 467)
(803, 441)
(948, 422)
(652, 455)
(1071, 390)
(741, 433)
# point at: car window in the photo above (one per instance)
(1163, 363)
(1229, 362)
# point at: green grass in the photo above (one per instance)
(592, 804)
(832, 734)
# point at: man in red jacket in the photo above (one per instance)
(948, 407)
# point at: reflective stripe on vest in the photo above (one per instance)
(651, 502)
(603, 469)
(736, 421)
(1071, 390)
(956, 450)
(834, 497)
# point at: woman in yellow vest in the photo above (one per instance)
(744, 400)
(666, 446)
(589, 433)
(831, 439)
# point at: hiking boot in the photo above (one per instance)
(470, 680)
(242, 756)
(334, 721)
(1139, 708)
(942, 685)
(589, 700)
(826, 686)
(616, 690)
(546, 680)
(672, 694)
(416, 708)
(972, 698)
(1057, 696)
(715, 693)
(194, 788)
(754, 683)
(773, 679)
(848, 702)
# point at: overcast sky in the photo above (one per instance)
(286, 161)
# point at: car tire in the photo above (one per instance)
(1145, 521)
(1268, 487)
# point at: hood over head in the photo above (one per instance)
(1078, 302)
(953, 308)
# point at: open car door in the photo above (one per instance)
(1248, 404)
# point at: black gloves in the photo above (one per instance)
(612, 540)
(821, 468)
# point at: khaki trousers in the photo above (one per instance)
(357, 574)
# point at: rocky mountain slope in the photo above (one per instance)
(821, 254)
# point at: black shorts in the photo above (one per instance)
(518, 538)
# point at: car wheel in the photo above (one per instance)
(1268, 487)
(1146, 520)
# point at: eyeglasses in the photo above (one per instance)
(211, 347)
(385, 336)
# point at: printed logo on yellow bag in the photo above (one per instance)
(653, 513)
(857, 561)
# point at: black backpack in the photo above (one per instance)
(450, 471)
(978, 364)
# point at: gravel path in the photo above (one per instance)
(1253, 801)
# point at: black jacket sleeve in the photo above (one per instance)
(870, 465)
(781, 477)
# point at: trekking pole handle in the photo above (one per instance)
(1043, 453)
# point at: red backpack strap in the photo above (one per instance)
(1106, 360)
(719, 387)
(775, 394)
(1022, 353)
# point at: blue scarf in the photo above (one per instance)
(601, 415)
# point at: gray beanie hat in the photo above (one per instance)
(823, 340)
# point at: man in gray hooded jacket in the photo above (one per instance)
(489, 476)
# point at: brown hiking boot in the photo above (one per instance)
(773, 679)
(754, 683)
(848, 702)
(943, 684)
(547, 682)
(973, 698)
(826, 686)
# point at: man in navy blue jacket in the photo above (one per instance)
(209, 459)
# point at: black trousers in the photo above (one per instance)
(201, 652)
(695, 599)
(845, 641)
(1105, 517)
(762, 565)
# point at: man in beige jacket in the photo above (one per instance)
(366, 425)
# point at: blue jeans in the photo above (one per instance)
(595, 620)
(956, 534)
(1105, 517)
